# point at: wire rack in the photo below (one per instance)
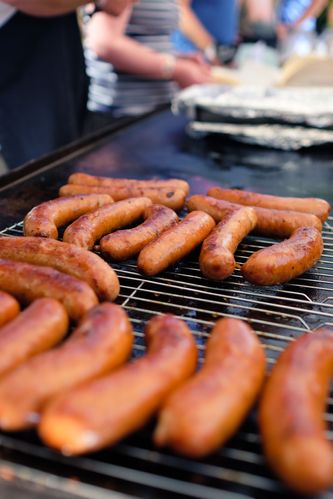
(278, 314)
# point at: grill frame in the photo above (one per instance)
(278, 315)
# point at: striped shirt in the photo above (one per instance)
(151, 23)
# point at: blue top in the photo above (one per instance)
(291, 10)
(220, 18)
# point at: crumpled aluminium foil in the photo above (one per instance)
(289, 118)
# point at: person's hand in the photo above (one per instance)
(188, 73)
(282, 31)
(196, 57)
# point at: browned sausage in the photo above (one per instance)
(66, 258)
(283, 261)
(173, 198)
(28, 282)
(291, 413)
(102, 341)
(9, 308)
(88, 229)
(279, 223)
(37, 328)
(44, 219)
(217, 253)
(175, 243)
(85, 179)
(207, 410)
(102, 412)
(275, 223)
(123, 244)
(316, 206)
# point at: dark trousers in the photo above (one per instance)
(42, 86)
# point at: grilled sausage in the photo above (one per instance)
(284, 261)
(275, 223)
(9, 308)
(124, 244)
(37, 328)
(170, 197)
(88, 229)
(85, 179)
(101, 342)
(28, 282)
(282, 224)
(175, 243)
(316, 206)
(217, 253)
(207, 410)
(291, 413)
(102, 412)
(66, 258)
(44, 219)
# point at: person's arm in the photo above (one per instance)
(315, 9)
(192, 27)
(106, 38)
(57, 7)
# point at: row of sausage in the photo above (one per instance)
(83, 395)
(161, 240)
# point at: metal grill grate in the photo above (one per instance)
(278, 314)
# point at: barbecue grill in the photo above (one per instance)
(278, 314)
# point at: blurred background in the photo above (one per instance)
(59, 84)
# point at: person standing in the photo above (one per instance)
(207, 25)
(43, 85)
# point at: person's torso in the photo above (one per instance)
(150, 24)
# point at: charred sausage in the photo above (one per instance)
(9, 308)
(88, 229)
(170, 197)
(291, 413)
(86, 179)
(175, 243)
(28, 282)
(217, 253)
(102, 412)
(275, 223)
(66, 258)
(284, 261)
(124, 244)
(102, 341)
(205, 411)
(44, 219)
(37, 328)
(316, 206)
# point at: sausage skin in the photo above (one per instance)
(44, 219)
(124, 244)
(9, 308)
(66, 258)
(291, 413)
(316, 206)
(89, 228)
(175, 243)
(28, 282)
(86, 179)
(205, 411)
(217, 253)
(101, 342)
(39, 327)
(270, 223)
(284, 261)
(170, 197)
(102, 412)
